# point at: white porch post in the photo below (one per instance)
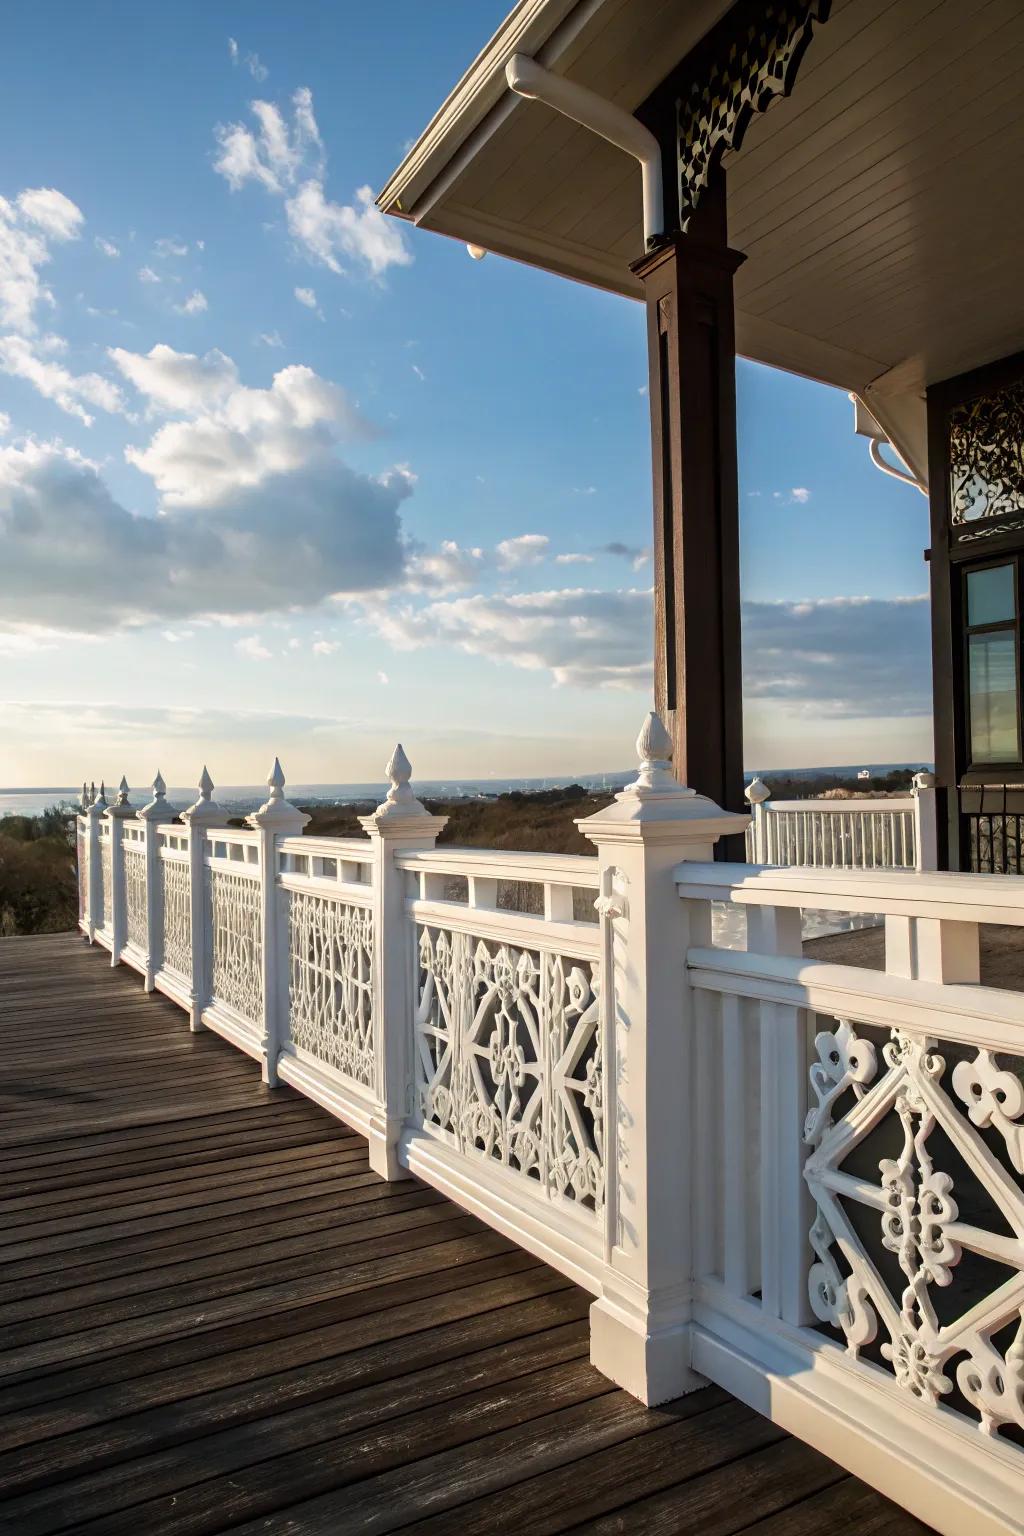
(757, 794)
(97, 809)
(117, 815)
(640, 1324)
(276, 818)
(400, 824)
(153, 814)
(199, 818)
(926, 822)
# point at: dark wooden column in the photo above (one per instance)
(692, 358)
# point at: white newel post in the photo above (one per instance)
(199, 818)
(97, 810)
(926, 822)
(757, 794)
(154, 814)
(640, 1324)
(117, 815)
(274, 819)
(400, 825)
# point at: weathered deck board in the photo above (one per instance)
(214, 1317)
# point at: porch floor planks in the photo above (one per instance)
(214, 1317)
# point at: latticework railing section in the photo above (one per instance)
(332, 1017)
(104, 917)
(175, 904)
(509, 1043)
(836, 834)
(135, 889)
(861, 1144)
(236, 937)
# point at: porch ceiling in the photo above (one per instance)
(881, 207)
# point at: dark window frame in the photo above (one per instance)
(1012, 625)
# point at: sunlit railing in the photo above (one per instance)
(881, 832)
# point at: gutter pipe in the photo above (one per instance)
(528, 78)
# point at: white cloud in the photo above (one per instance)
(178, 381)
(527, 549)
(287, 159)
(252, 61)
(277, 152)
(177, 636)
(325, 647)
(257, 511)
(107, 247)
(253, 648)
(5, 423)
(195, 304)
(307, 297)
(55, 214)
(36, 217)
(574, 559)
(445, 569)
(232, 50)
(584, 639)
(168, 247)
(330, 231)
(800, 494)
(418, 371)
(270, 338)
(147, 275)
(383, 679)
(26, 359)
(636, 554)
(239, 439)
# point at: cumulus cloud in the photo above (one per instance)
(239, 438)
(34, 362)
(287, 159)
(325, 647)
(253, 648)
(195, 304)
(584, 639)
(574, 559)
(147, 275)
(528, 549)
(257, 510)
(177, 381)
(445, 569)
(37, 217)
(107, 247)
(842, 657)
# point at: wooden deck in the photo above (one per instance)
(214, 1317)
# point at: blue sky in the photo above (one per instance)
(279, 476)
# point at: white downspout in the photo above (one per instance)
(528, 78)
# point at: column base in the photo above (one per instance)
(195, 1019)
(268, 1071)
(383, 1149)
(651, 1362)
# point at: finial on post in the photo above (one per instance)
(122, 791)
(157, 809)
(101, 798)
(757, 792)
(654, 749)
(92, 793)
(276, 812)
(400, 803)
(84, 800)
(205, 809)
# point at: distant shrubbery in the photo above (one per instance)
(38, 892)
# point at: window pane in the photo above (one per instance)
(995, 736)
(990, 595)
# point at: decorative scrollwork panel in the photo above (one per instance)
(509, 1059)
(107, 883)
(177, 910)
(236, 972)
(83, 872)
(331, 1006)
(135, 896)
(748, 60)
(927, 1258)
(986, 463)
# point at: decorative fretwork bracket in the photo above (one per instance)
(748, 60)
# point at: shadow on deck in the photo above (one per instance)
(214, 1317)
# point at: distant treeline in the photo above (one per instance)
(896, 782)
(38, 889)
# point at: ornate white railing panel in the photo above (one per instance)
(836, 834)
(81, 847)
(105, 915)
(135, 894)
(861, 1170)
(176, 902)
(331, 1006)
(236, 950)
(508, 1023)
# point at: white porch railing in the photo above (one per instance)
(801, 1180)
(894, 832)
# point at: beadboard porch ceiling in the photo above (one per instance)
(881, 207)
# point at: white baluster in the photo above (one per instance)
(275, 819)
(199, 818)
(117, 922)
(400, 825)
(152, 816)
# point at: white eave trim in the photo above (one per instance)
(527, 29)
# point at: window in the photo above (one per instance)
(993, 663)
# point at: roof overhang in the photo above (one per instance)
(880, 207)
